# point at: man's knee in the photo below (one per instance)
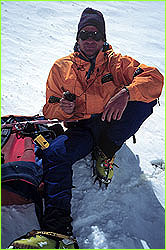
(113, 134)
(70, 147)
(56, 150)
(133, 117)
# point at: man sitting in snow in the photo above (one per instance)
(103, 97)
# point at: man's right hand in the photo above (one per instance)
(67, 106)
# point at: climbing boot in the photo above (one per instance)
(44, 240)
(103, 167)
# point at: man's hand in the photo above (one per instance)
(116, 106)
(67, 106)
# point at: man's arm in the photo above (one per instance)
(143, 84)
(62, 110)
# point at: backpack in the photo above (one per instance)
(21, 165)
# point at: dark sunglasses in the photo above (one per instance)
(95, 35)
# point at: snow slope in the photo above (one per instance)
(130, 213)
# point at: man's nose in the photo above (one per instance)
(90, 39)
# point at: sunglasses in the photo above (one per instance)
(95, 35)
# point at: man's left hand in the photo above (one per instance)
(116, 106)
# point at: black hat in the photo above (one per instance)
(91, 17)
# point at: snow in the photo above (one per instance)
(130, 213)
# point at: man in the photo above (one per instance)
(103, 98)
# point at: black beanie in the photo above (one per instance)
(91, 17)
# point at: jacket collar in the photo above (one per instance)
(100, 58)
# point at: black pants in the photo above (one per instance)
(76, 143)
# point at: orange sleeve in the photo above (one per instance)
(147, 85)
(54, 87)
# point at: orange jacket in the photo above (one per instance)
(69, 73)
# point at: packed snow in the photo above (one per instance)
(130, 213)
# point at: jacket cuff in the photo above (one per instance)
(132, 90)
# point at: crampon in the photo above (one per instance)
(103, 167)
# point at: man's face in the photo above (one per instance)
(90, 47)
